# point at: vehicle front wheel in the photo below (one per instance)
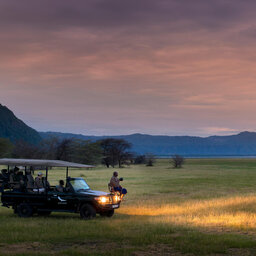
(24, 210)
(87, 212)
(108, 213)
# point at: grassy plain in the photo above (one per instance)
(206, 208)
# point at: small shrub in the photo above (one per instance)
(141, 159)
(177, 161)
(150, 160)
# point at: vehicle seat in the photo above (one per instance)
(30, 182)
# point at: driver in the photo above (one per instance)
(60, 187)
(115, 183)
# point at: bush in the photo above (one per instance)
(141, 159)
(177, 161)
(150, 160)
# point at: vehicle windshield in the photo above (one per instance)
(79, 185)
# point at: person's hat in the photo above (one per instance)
(40, 174)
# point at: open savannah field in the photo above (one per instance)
(206, 208)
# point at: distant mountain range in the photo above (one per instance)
(14, 129)
(242, 144)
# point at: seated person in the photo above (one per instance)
(46, 183)
(15, 179)
(5, 175)
(22, 180)
(39, 184)
(29, 180)
(4, 179)
(60, 187)
(1, 182)
(115, 183)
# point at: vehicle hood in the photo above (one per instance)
(94, 193)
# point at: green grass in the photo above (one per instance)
(206, 208)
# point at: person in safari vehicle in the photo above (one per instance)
(115, 184)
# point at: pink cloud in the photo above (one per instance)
(157, 67)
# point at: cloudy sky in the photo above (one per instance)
(176, 67)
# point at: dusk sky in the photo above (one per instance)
(111, 67)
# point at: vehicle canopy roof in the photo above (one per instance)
(41, 162)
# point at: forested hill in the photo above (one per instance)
(14, 129)
(241, 144)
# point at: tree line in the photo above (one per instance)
(110, 152)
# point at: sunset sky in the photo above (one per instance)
(105, 67)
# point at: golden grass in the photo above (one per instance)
(237, 212)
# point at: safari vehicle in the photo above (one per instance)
(76, 198)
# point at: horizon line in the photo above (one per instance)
(138, 133)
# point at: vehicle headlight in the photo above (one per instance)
(117, 199)
(103, 199)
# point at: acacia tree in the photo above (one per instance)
(64, 150)
(150, 159)
(115, 151)
(177, 161)
(49, 147)
(86, 152)
(76, 150)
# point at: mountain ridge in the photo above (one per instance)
(243, 143)
(15, 129)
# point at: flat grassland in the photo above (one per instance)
(208, 207)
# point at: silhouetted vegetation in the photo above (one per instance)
(177, 161)
(110, 152)
(23, 149)
(115, 152)
(150, 159)
(5, 147)
(140, 159)
(72, 150)
(86, 152)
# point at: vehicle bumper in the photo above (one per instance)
(106, 207)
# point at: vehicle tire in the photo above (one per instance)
(87, 212)
(44, 213)
(108, 214)
(24, 210)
